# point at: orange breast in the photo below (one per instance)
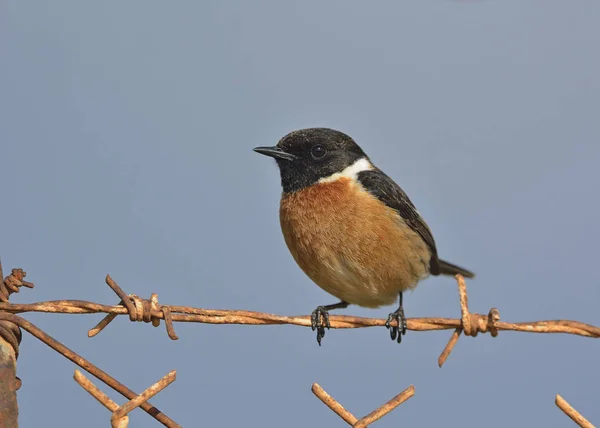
(350, 244)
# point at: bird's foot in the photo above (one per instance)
(400, 330)
(319, 321)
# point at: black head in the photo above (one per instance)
(308, 155)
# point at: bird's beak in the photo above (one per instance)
(274, 152)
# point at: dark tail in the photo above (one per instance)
(450, 269)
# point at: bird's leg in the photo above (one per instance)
(320, 318)
(398, 315)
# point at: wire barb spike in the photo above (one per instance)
(138, 309)
(572, 413)
(367, 420)
(470, 324)
(120, 414)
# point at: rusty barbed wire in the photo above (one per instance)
(150, 311)
(11, 284)
(10, 336)
(87, 366)
(120, 414)
(365, 421)
(572, 413)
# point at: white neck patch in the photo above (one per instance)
(349, 172)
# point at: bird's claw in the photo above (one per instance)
(319, 321)
(399, 330)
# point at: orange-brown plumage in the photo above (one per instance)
(350, 244)
(350, 227)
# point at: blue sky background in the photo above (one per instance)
(126, 131)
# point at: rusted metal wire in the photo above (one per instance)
(11, 284)
(572, 413)
(10, 338)
(149, 310)
(375, 415)
(120, 418)
(471, 324)
(87, 366)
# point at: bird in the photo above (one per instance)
(350, 228)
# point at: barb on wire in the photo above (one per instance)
(470, 324)
(149, 310)
(11, 334)
(120, 414)
(8, 331)
(365, 421)
(87, 366)
(138, 309)
(12, 283)
(572, 413)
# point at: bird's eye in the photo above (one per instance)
(318, 151)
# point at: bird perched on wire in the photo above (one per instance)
(350, 227)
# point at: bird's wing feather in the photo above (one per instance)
(378, 184)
